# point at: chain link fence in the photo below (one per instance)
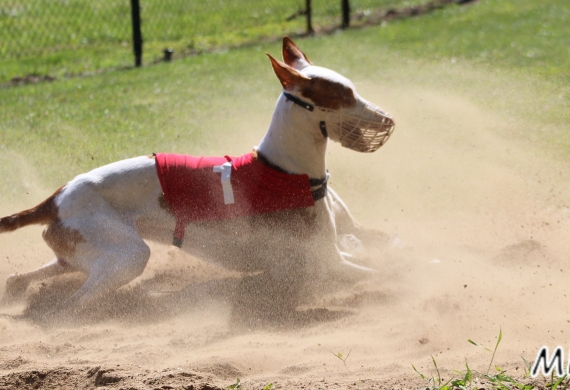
(61, 37)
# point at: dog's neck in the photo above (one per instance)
(293, 141)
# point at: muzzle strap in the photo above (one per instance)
(323, 127)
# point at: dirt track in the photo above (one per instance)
(478, 227)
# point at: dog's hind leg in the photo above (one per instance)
(117, 262)
(17, 284)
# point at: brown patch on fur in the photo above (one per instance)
(44, 213)
(61, 239)
(292, 53)
(328, 94)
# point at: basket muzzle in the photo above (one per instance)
(363, 129)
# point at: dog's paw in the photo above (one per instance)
(363, 241)
(373, 237)
(351, 244)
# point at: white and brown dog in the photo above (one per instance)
(271, 212)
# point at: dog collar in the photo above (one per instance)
(319, 193)
(299, 102)
(307, 106)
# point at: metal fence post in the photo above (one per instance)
(308, 13)
(137, 35)
(345, 6)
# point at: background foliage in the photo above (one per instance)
(77, 36)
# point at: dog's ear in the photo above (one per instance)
(293, 56)
(289, 77)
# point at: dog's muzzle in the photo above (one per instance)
(364, 132)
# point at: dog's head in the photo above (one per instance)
(338, 111)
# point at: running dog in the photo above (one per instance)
(264, 212)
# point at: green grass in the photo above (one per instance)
(528, 40)
(497, 378)
(75, 36)
(529, 35)
(203, 104)
(115, 115)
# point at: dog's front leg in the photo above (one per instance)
(325, 262)
(350, 235)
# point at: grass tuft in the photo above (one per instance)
(500, 380)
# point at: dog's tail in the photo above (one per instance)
(43, 214)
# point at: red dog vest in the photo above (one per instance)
(217, 188)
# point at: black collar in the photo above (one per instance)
(299, 102)
(319, 193)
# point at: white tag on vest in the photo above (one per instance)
(226, 171)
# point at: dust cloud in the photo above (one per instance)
(478, 242)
